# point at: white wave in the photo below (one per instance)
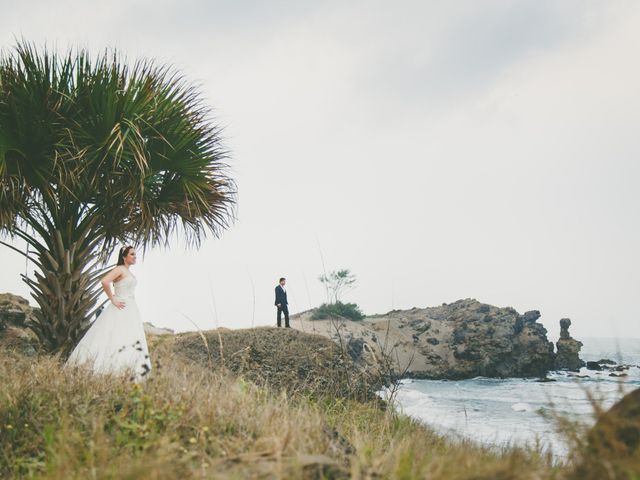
(521, 407)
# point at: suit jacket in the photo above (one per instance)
(281, 296)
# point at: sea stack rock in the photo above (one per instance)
(568, 349)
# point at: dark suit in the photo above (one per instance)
(281, 300)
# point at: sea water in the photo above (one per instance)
(501, 412)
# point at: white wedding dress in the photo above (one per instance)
(115, 342)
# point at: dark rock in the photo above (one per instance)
(355, 348)
(15, 315)
(467, 354)
(433, 341)
(594, 366)
(565, 323)
(518, 326)
(568, 349)
(14, 310)
(618, 375)
(420, 326)
(459, 336)
(546, 380)
(606, 361)
(531, 316)
(484, 308)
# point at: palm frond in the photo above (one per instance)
(94, 151)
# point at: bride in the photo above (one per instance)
(115, 342)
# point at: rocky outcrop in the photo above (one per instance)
(463, 339)
(14, 311)
(567, 356)
(15, 314)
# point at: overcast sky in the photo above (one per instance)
(439, 150)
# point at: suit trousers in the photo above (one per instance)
(285, 309)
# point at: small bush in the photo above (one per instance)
(338, 309)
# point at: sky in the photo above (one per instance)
(438, 150)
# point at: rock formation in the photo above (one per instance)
(568, 349)
(15, 314)
(463, 339)
(14, 310)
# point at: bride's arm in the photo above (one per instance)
(107, 280)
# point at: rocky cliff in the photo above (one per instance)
(463, 339)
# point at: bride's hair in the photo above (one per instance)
(124, 251)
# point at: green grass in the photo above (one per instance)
(193, 420)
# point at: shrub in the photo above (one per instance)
(338, 309)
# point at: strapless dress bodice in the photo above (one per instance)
(126, 287)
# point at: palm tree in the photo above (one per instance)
(93, 152)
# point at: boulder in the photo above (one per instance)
(594, 366)
(606, 361)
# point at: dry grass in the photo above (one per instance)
(193, 421)
(279, 359)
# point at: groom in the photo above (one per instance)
(281, 303)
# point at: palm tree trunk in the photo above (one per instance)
(65, 285)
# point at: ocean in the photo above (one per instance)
(500, 412)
